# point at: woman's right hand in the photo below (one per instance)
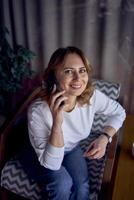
(57, 103)
(56, 107)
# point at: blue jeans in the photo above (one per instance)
(70, 182)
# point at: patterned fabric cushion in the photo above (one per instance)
(95, 168)
(14, 178)
(110, 89)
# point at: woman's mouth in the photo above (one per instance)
(74, 86)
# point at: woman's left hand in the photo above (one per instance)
(97, 148)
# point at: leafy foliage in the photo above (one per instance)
(14, 64)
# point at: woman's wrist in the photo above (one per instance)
(104, 138)
(56, 137)
(56, 129)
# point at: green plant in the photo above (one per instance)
(14, 64)
(14, 68)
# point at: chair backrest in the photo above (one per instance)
(110, 89)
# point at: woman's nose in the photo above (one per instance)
(76, 76)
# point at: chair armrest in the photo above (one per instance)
(107, 181)
(6, 131)
(110, 160)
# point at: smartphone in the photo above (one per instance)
(51, 82)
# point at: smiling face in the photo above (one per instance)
(72, 75)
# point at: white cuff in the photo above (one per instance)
(53, 157)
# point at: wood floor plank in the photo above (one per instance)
(124, 182)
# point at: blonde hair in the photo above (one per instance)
(58, 58)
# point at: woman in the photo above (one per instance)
(61, 118)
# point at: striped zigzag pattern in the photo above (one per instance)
(14, 178)
(110, 89)
(95, 168)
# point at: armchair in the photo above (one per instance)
(13, 135)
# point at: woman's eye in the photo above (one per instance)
(83, 70)
(68, 71)
(71, 72)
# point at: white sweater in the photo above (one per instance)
(76, 126)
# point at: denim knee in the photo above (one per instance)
(81, 191)
(64, 186)
(59, 187)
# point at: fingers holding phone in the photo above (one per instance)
(58, 98)
(57, 103)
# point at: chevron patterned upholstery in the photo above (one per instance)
(110, 89)
(14, 178)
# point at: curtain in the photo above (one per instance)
(103, 29)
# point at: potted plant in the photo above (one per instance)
(14, 67)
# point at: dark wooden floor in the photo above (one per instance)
(124, 181)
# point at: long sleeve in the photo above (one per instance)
(39, 128)
(112, 109)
